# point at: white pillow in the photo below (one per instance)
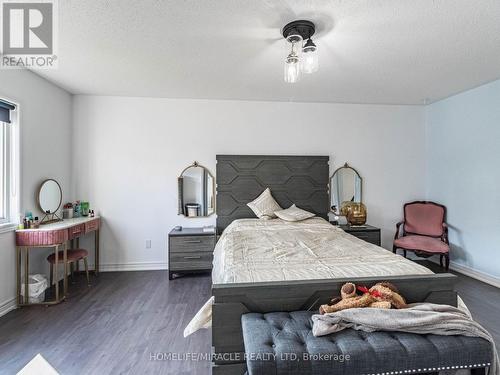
(264, 205)
(293, 213)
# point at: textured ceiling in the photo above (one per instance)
(371, 51)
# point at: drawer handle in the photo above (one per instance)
(193, 241)
(193, 257)
(77, 231)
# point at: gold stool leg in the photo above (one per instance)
(77, 241)
(26, 276)
(55, 272)
(18, 275)
(86, 270)
(96, 250)
(65, 262)
(72, 271)
(51, 274)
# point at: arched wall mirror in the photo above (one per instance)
(196, 191)
(345, 187)
(49, 200)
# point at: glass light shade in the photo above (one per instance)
(309, 59)
(292, 69)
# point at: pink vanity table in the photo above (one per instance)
(53, 235)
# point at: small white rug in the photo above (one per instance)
(38, 366)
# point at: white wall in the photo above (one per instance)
(463, 156)
(129, 152)
(45, 132)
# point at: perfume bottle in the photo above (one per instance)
(77, 209)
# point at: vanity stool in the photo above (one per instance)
(73, 256)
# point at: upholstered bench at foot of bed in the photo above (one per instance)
(282, 343)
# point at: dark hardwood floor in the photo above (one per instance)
(125, 318)
(113, 327)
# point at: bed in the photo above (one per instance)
(265, 266)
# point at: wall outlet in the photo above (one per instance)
(148, 244)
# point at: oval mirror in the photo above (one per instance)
(196, 191)
(49, 196)
(345, 187)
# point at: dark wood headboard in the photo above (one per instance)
(302, 180)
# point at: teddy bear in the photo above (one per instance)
(382, 295)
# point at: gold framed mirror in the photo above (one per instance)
(49, 197)
(196, 191)
(346, 187)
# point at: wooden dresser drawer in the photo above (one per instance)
(187, 244)
(190, 250)
(76, 231)
(92, 225)
(366, 233)
(37, 237)
(201, 260)
(371, 237)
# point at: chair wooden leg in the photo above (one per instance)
(51, 274)
(447, 257)
(441, 260)
(394, 249)
(86, 270)
(404, 253)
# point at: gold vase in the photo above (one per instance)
(355, 213)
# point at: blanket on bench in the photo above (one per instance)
(421, 318)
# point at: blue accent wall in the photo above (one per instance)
(463, 172)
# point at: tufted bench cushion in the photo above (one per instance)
(282, 343)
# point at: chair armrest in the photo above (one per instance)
(398, 225)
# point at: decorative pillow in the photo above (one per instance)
(264, 205)
(293, 213)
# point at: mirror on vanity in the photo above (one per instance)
(49, 200)
(196, 191)
(346, 195)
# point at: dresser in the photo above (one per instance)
(190, 250)
(368, 233)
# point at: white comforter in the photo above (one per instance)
(253, 250)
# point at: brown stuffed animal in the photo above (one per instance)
(382, 295)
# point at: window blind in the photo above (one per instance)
(5, 108)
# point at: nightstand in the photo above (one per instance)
(366, 232)
(190, 250)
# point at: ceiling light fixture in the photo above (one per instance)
(303, 58)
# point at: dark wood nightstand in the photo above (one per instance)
(367, 232)
(190, 250)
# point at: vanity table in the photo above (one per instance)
(54, 235)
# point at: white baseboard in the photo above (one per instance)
(8, 306)
(475, 274)
(140, 266)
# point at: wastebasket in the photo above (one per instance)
(37, 284)
(193, 209)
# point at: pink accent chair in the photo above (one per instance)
(424, 231)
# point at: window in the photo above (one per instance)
(9, 169)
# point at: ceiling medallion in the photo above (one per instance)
(303, 57)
